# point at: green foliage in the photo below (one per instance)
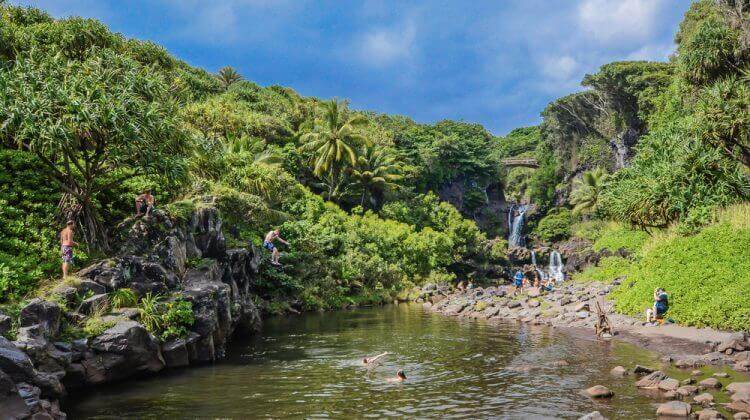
(150, 312)
(586, 191)
(123, 298)
(228, 76)
(96, 325)
(706, 276)
(608, 269)
(555, 226)
(615, 236)
(181, 210)
(177, 318)
(28, 244)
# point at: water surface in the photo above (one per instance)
(310, 366)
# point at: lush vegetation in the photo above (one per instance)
(89, 118)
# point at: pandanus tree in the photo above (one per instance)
(333, 143)
(93, 123)
(586, 191)
(376, 172)
(228, 76)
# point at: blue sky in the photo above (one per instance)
(497, 62)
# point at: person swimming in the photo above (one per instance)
(400, 377)
(371, 362)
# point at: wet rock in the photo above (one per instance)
(514, 304)
(670, 395)
(652, 380)
(704, 399)
(94, 304)
(709, 383)
(709, 414)
(595, 415)
(599, 391)
(175, 353)
(43, 313)
(687, 390)
(18, 366)
(618, 371)
(12, 406)
(669, 384)
(673, 409)
(741, 416)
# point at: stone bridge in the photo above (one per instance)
(524, 162)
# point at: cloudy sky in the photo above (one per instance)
(493, 62)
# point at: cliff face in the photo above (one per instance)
(157, 256)
(486, 206)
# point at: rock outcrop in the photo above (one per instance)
(155, 257)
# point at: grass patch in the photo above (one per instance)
(615, 236)
(707, 276)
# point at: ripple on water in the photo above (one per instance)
(310, 366)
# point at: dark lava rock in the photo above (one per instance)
(651, 380)
(122, 350)
(43, 313)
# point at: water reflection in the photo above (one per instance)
(310, 366)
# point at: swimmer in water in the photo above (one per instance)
(371, 362)
(400, 377)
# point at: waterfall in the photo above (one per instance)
(556, 267)
(533, 258)
(515, 225)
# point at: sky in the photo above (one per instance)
(495, 62)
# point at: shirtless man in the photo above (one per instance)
(268, 244)
(144, 203)
(66, 246)
(400, 377)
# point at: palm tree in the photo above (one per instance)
(586, 191)
(228, 76)
(374, 173)
(333, 141)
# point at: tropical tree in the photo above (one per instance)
(586, 191)
(375, 172)
(334, 141)
(228, 76)
(93, 123)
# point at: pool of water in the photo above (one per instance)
(310, 366)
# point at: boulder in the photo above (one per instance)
(44, 313)
(534, 303)
(642, 370)
(669, 384)
(12, 406)
(208, 236)
(721, 375)
(583, 306)
(704, 399)
(709, 414)
(17, 365)
(732, 345)
(618, 371)
(95, 304)
(599, 391)
(175, 353)
(709, 383)
(741, 416)
(514, 304)
(673, 409)
(652, 380)
(739, 387)
(122, 351)
(686, 390)
(687, 381)
(89, 286)
(696, 373)
(5, 324)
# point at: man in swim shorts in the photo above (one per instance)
(269, 245)
(66, 246)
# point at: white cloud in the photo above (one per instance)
(560, 67)
(619, 20)
(386, 45)
(652, 52)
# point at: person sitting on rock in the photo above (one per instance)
(144, 203)
(372, 362)
(661, 305)
(268, 244)
(400, 377)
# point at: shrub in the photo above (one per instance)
(177, 318)
(96, 325)
(615, 236)
(555, 226)
(608, 269)
(123, 298)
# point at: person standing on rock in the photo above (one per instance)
(66, 246)
(268, 244)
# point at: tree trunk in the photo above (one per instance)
(85, 214)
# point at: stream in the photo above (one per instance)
(310, 366)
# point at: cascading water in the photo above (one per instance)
(542, 274)
(515, 225)
(556, 267)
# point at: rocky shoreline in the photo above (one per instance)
(40, 367)
(571, 306)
